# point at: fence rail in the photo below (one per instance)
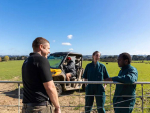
(82, 82)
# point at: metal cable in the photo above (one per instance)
(109, 105)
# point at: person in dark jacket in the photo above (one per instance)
(70, 69)
(95, 71)
(124, 97)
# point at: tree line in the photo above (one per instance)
(103, 59)
(7, 58)
(136, 57)
(114, 58)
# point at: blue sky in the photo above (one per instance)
(109, 26)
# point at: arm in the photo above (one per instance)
(71, 66)
(131, 77)
(52, 93)
(85, 75)
(85, 72)
(47, 80)
(85, 80)
(106, 75)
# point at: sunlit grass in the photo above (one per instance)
(12, 69)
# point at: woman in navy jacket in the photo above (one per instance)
(95, 71)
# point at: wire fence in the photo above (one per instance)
(143, 96)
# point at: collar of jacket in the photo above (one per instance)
(125, 67)
(34, 53)
(97, 63)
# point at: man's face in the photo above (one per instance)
(121, 61)
(45, 49)
(96, 57)
(68, 60)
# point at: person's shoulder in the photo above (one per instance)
(89, 64)
(102, 65)
(71, 62)
(40, 59)
(28, 60)
(43, 59)
(36, 56)
(131, 68)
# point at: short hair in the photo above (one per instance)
(95, 52)
(126, 56)
(38, 41)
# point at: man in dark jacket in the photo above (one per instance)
(70, 69)
(124, 97)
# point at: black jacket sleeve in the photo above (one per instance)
(44, 70)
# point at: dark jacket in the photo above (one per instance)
(70, 68)
(128, 74)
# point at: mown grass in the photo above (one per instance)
(113, 69)
(11, 70)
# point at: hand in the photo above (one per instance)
(105, 86)
(108, 79)
(86, 85)
(57, 110)
(85, 80)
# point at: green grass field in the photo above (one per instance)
(11, 70)
(113, 69)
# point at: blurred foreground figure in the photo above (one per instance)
(128, 74)
(39, 89)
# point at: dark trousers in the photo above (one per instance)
(29, 108)
(100, 101)
(100, 98)
(129, 104)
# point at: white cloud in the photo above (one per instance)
(54, 41)
(66, 43)
(70, 36)
(71, 49)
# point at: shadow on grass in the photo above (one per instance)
(72, 92)
(13, 93)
